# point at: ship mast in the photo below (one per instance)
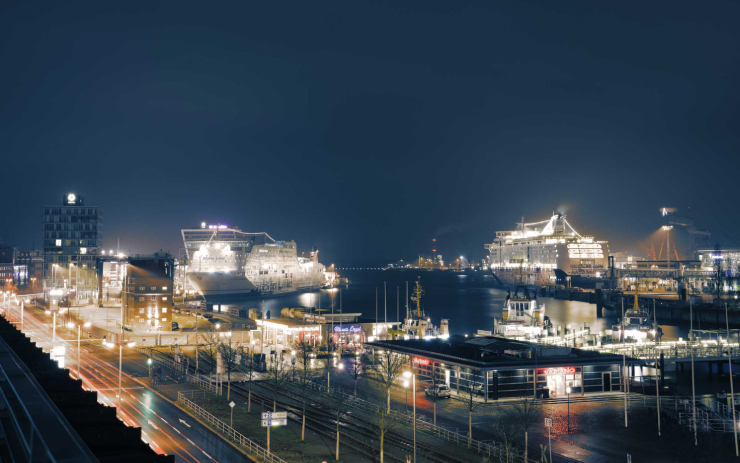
(418, 291)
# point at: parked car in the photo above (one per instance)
(439, 390)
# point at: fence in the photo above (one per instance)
(227, 431)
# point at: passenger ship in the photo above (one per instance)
(547, 252)
(224, 262)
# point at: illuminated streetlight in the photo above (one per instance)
(409, 374)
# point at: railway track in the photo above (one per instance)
(362, 427)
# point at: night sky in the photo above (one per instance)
(368, 128)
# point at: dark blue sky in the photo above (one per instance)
(367, 128)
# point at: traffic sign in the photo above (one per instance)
(279, 422)
(548, 422)
(231, 404)
(274, 415)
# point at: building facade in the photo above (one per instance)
(148, 290)
(494, 367)
(72, 236)
(34, 262)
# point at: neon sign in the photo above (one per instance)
(421, 361)
(347, 329)
(556, 371)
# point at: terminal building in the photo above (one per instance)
(495, 367)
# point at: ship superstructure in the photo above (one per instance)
(546, 252)
(224, 261)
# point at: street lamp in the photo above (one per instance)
(409, 374)
(71, 326)
(120, 343)
(568, 390)
(406, 403)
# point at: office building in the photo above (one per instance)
(72, 236)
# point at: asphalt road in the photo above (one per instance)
(166, 428)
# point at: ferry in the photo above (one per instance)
(547, 252)
(225, 262)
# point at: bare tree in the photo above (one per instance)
(526, 413)
(382, 415)
(337, 402)
(304, 352)
(356, 369)
(209, 347)
(249, 368)
(504, 429)
(228, 352)
(471, 405)
(388, 368)
(277, 374)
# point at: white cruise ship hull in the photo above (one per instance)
(220, 284)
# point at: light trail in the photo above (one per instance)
(101, 376)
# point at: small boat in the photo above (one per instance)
(522, 317)
(417, 324)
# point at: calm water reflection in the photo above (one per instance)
(469, 302)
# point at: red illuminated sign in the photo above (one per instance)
(421, 361)
(556, 371)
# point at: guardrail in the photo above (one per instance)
(229, 432)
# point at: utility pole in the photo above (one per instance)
(693, 385)
(625, 376)
(657, 372)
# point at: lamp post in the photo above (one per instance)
(568, 391)
(71, 325)
(409, 374)
(406, 403)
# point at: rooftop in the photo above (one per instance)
(494, 351)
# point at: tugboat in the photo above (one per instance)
(636, 325)
(522, 316)
(417, 324)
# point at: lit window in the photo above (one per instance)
(59, 242)
(164, 319)
(164, 309)
(141, 309)
(154, 298)
(164, 298)
(141, 288)
(164, 288)
(141, 298)
(83, 250)
(154, 288)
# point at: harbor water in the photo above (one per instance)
(469, 301)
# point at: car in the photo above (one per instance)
(438, 390)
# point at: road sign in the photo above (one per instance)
(274, 415)
(278, 422)
(548, 422)
(231, 404)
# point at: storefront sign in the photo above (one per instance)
(347, 329)
(421, 361)
(556, 371)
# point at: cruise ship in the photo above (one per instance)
(225, 262)
(547, 252)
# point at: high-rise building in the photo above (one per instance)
(72, 236)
